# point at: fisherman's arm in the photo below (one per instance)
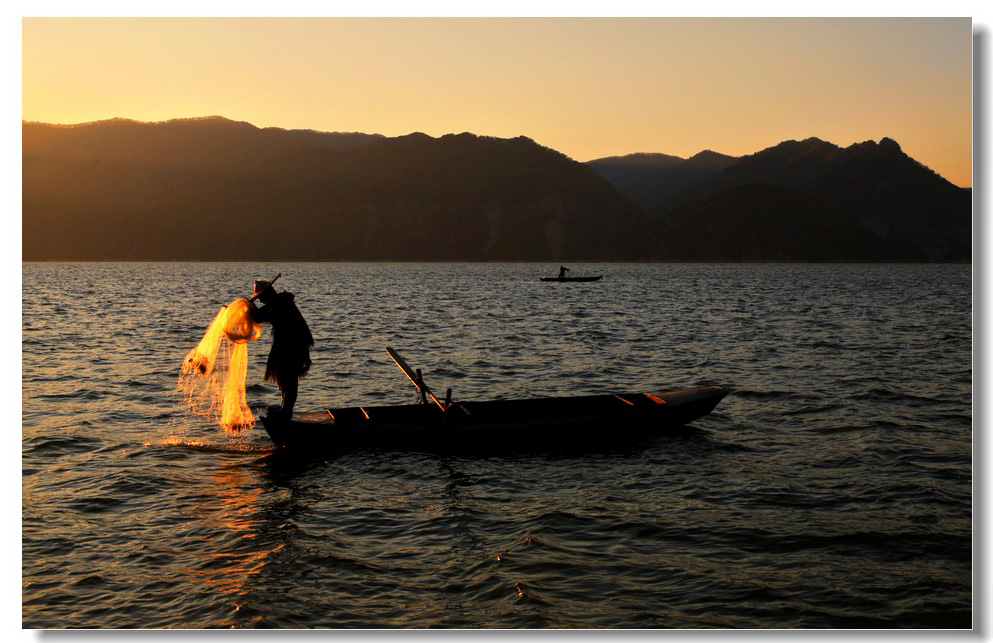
(260, 314)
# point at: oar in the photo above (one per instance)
(414, 378)
(271, 282)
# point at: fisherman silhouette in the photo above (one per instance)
(562, 271)
(289, 357)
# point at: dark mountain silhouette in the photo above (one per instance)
(210, 142)
(757, 222)
(912, 213)
(208, 189)
(656, 186)
(626, 171)
(215, 189)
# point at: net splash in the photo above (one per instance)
(212, 378)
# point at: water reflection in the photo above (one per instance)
(237, 516)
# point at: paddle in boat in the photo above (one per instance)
(551, 422)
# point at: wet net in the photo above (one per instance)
(212, 379)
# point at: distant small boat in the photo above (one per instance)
(597, 278)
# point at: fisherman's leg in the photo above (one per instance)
(274, 409)
(277, 409)
(289, 389)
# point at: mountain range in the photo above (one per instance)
(217, 189)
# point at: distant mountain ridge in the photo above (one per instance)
(893, 207)
(213, 189)
(652, 180)
(217, 141)
(216, 189)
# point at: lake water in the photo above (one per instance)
(831, 489)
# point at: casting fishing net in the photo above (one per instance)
(213, 375)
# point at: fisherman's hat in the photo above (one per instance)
(260, 286)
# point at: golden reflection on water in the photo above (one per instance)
(234, 508)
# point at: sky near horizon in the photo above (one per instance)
(587, 87)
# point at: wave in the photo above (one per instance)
(195, 444)
(60, 445)
(879, 393)
(772, 394)
(80, 394)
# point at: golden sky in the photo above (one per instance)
(588, 87)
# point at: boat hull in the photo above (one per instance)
(597, 278)
(561, 422)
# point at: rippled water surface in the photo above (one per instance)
(831, 489)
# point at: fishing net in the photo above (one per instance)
(213, 375)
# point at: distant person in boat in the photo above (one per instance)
(289, 357)
(562, 271)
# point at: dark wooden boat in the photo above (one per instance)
(551, 422)
(597, 278)
(533, 423)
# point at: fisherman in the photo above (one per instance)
(289, 357)
(562, 271)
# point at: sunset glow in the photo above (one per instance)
(586, 87)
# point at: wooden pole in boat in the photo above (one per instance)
(421, 386)
(414, 377)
